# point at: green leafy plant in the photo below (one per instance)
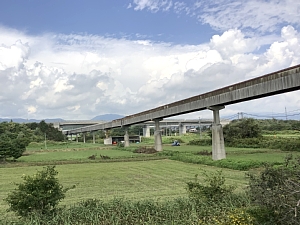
(276, 193)
(39, 194)
(213, 187)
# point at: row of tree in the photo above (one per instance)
(14, 137)
(252, 128)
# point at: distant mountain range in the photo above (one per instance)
(21, 120)
(110, 117)
(105, 117)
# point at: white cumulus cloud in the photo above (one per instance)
(81, 76)
(251, 15)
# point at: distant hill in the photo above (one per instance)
(21, 120)
(107, 117)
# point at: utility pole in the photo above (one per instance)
(45, 141)
(200, 127)
(240, 115)
(166, 129)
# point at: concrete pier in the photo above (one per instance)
(146, 131)
(218, 147)
(182, 129)
(76, 137)
(126, 137)
(94, 140)
(157, 136)
(83, 134)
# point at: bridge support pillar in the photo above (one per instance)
(94, 141)
(126, 137)
(83, 135)
(182, 129)
(157, 136)
(146, 131)
(76, 137)
(218, 147)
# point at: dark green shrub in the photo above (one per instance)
(224, 163)
(276, 193)
(240, 129)
(212, 189)
(38, 194)
(244, 142)
(120, 145)
(201, 142)
(215, 202)
(171, 139)
(284, 144)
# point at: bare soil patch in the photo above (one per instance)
(145, 150)
(204, 152)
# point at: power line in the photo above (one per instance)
(229, 117)
(273, 116)
(240, 115)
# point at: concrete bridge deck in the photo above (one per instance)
(282, 81)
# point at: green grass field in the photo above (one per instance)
(135, 176)
(157, 179)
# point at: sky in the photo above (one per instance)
(75, 59)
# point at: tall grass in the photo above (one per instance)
(179, 211)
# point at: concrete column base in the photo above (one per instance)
(218, 147)
(83, 137)
(94, 140)
(146, 131)
(126, 138)
(157, 137)
(182, 129)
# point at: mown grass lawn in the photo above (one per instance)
(259, 154)
(74, 154)
(50, 145)
(159, 179)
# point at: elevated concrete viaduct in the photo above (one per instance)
(282, 81)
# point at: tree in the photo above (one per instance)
(12, 147)
(119, 131)
(39, 194)
(5, 147)
(240, 129)
(136, 130)
(13, 140)
(42, 128)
